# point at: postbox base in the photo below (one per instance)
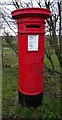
(30, 100)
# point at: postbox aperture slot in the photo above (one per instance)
(32, 26)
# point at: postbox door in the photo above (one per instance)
(31, 63)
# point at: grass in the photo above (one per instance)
(9, 57)
(46, 110)
(50, 109)
(9, 89)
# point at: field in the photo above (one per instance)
(50, 108)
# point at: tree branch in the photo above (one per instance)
(50, 71)
(39, 3)
(9, 25)
(50, 59)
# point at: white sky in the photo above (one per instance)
(9, 8)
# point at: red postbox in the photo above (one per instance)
(31, 25)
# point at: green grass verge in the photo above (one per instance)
(50, 109)
(9, 57)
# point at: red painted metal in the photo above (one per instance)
(31, 21)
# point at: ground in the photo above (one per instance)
(50, 108)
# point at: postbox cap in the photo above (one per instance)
(34, 11)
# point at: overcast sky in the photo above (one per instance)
(8, 8)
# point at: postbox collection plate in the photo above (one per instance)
(33, 42)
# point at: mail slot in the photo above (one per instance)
(32, 26)
(31, 30)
